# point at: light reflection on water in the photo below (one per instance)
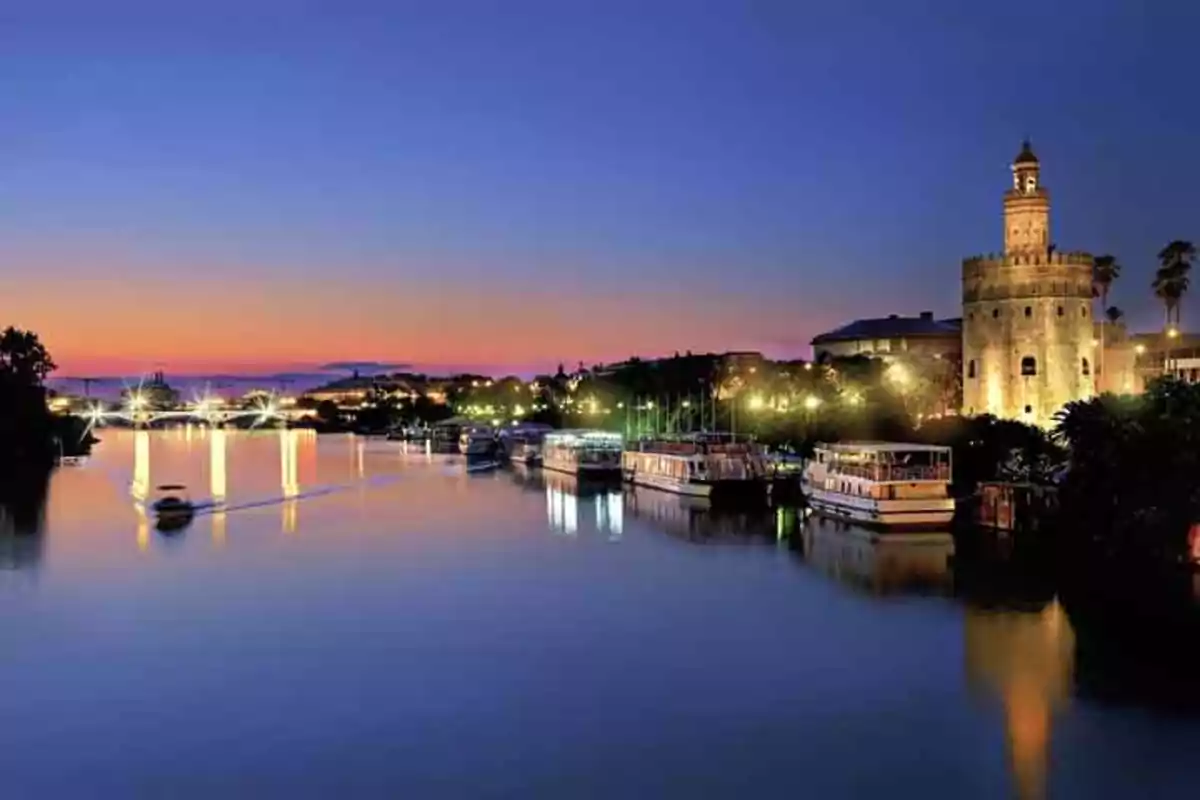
(419, 628)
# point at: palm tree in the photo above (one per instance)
(1114, 315)
(1171, 283)
(1105, 270)
(1175, 262)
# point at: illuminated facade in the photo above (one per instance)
(1028, 338)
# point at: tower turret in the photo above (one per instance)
(1026, 207)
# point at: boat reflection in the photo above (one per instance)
(694, 519)
(569, 499)
(880, 563)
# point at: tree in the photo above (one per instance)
(1114, 315)
(1105, 270)
(1171, 281)
(23, 358)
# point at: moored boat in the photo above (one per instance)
(698, 465)
(523, 443)
(583, 452)
(888, 484)
(477, 440)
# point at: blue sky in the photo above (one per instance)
(781, 166)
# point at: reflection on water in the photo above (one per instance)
(22, 516)
(1025, 659)
(887, 563)
(472, 591)
(694, 518)
(567, 496)
(289, 477)
(218, 482)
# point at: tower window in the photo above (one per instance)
(1029, 365)
(1061, 311)
(1083, 311)
(995, 313)
(1087, 368)
(971, 368)
(971, 315)
(1028, 409)
(1028, 312)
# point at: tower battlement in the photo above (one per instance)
(1076, 258)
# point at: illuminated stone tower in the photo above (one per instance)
(1027, 313)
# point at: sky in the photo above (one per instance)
(502, 185)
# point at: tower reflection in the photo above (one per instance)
(1026, 659)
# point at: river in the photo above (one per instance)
(363, 621)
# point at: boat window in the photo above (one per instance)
(1029, 366)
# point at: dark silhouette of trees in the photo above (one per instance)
(1133, 485)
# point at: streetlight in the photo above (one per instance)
(756, 402)
(1140, 349)
(812, 402)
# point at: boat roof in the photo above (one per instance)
(877, 447)
(584, 433)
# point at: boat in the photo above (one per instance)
(887, 484)
(477, 440)
(698, 465)
(523, 443)
(583, 452)
(173, 508)
(444, 436)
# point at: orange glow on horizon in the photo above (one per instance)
(251, 328)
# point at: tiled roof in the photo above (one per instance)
(891, 328)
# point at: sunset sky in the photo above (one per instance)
(258, 186)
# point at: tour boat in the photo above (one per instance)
(477, 440)
(881, 483)
(523, 442)
(582, 452)
(698, 465)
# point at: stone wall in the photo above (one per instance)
(1027, 306)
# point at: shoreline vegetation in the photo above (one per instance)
(32, 438)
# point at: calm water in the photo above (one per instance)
(371, 623)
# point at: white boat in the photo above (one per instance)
(582, 452)
(698, 465)
(523, 443)
(477, 440)
(881, 483)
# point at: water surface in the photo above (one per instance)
(369, 622)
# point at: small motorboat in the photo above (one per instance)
(173, 507)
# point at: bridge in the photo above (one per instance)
(138, 411)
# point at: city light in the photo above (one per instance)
(808, 367)
(854, 398)
(756, 402)
(812, 402)
(1172, 332)
(1139, 349)
(899, 374)
(685, 404)
(518, 410)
